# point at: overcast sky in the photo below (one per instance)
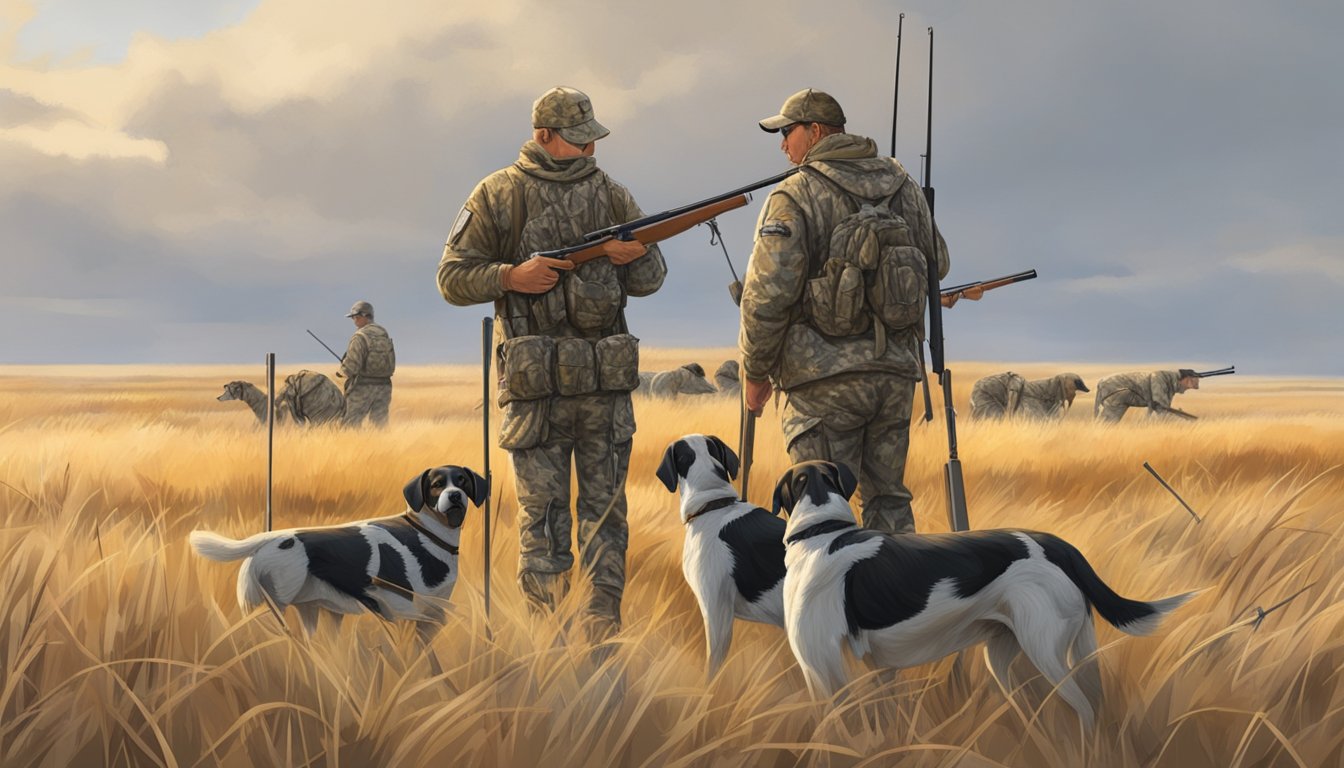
(201, 182)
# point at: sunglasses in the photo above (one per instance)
(786, 130)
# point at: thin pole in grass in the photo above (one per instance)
(487, 342)
(1261, 613)
(1153, 472)
(270, 432)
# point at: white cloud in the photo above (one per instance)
(80, 141)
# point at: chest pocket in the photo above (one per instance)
(593, 295)
(590, 297)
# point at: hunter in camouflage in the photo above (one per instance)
(728, 378)
(1154, 391)
(566, 360)
(848, 397)
(1048, 399)
(367, 367)
(688, 379)
(997, 396)
(311, 398)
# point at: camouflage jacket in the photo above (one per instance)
(1047, 398)
(541, 203)
(1000, 393)
(1139, 389)
(792, 243)
(370, 356)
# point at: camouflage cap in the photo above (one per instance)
(570, 113)
(361, 308)
(806, 106)
(1186, 373)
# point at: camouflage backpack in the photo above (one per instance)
(381, 360)
(874, 276)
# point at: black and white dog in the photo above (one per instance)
(915, 598)
(381, 565)
(733, 555)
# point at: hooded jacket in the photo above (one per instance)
(839, 174)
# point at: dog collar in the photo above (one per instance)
(825, 526)
(432, 536)
(710, 506)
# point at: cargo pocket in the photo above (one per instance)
(524, 424)
(575, 367)
(548, 309)
(618, 363)
(622, 421)
(592, 296)
(527, 365)
(836, 300)
(900, 287)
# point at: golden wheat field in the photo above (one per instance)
(121, 647)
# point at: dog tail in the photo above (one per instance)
(1134, 617)
(212, 546)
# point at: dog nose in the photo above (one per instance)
(455, 497)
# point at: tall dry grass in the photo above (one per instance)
(121, 647)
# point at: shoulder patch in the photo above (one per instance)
(459, 224)
(776, 228)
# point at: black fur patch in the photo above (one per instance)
(1118, 610)
(287, 544)
(894, 584)
(756, 540)
(391, 569)
(432, 568)
(340, 557)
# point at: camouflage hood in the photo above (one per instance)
(535, 161)
(859, 170)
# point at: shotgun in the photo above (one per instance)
(1220, 372)
(660, 226)
(1175, 412)
(953, 483)
(989, 285)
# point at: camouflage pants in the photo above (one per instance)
(1111, 404)
(369, 400)
(596, 432)
(861, 420)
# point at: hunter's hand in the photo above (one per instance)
(972, 294)
(623, 251)
(536, 275)
(757, 393)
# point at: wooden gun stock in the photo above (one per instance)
(653, 232)
(989, 285)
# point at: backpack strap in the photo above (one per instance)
(514, 308)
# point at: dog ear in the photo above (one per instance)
(844, 479)
(667, 471)
(725, 455)
(415, 491)
(480, 487)
(783, 494)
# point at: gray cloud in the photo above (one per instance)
(1171, 172)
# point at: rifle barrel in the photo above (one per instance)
(623, 231)
(339, 359)
(652, 231)
(997, 282)
(1220, 372)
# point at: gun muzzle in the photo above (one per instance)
(1220, 372)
